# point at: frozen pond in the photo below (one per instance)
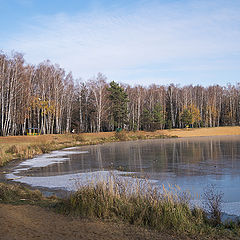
(191, 163)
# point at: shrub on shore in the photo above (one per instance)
(213, 201)
(121, 135)
(142, 205)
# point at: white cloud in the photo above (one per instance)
(190, 36)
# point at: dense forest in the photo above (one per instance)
(48, 98)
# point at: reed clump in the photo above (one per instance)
(138, 202)
(142, 205)
(213, 201)
(18, 151)
(4, 157)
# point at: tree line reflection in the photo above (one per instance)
(173, 157)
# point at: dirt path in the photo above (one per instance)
(27, 222)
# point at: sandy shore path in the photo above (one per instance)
(32, 222)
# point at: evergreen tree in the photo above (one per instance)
(158, 117)
(119, 99)
(153, 119)
(190, 116)
(146, 120)
(186, 117)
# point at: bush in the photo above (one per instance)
(212, 204)
(12, 149)
(78, 137)
(141, 137)
(142, 205)
(45, 147)
(121, 135)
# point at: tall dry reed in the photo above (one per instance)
(136, 202)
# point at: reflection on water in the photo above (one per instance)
(216, 156)
(191, 163)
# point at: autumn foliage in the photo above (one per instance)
(46, 97)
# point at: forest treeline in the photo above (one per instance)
(44, 96)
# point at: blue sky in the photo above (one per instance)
(135, 42)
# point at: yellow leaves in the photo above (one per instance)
(193, 113)
(45, 106)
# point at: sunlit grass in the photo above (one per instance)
(140, 203)
(18, 194)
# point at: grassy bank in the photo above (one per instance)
(168, 211)
(18, 194)
(24, 147)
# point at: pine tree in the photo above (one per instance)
(153, 119)
(119, 99)
(146, 120)
(158, 117)
(186, 117)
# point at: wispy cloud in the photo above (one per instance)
(178, 36)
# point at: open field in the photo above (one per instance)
(202, 132)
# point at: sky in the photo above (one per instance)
(135, 42)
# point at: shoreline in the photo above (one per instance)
(26, 147)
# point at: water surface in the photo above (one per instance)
(191, 163)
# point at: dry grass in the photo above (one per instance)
(22, 147)
(18, 194)
(144, 205)
(202, 132)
